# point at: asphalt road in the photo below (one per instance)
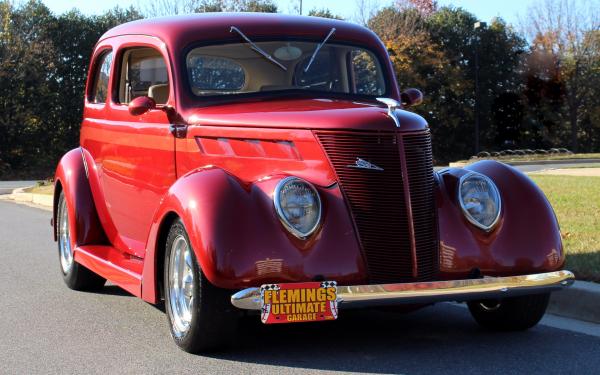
(6, 187)
(47, 328)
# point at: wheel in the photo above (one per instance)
(510, 314)
(201, 316)
(75, 275)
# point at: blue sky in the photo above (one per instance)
(484, 9)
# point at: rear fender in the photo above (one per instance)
(71, 177)
(525, 240)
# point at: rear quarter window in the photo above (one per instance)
(99, 92)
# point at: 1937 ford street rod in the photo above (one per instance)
(233, 162)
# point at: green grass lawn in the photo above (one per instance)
(42, 188)
(576, 201)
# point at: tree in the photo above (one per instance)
(28, 79)
(367, 9)
(43, 67)
(500, 49)
(433, 49)
(156, 8)
(565, 31)
(324, 13)
(159, 8)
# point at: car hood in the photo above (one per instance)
(305, 114)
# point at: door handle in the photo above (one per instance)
(178, 130)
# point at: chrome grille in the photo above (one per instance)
(377, 201)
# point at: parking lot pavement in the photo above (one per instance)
(47, 328)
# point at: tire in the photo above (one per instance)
(76, 276)
(510, 314)
(201, 317)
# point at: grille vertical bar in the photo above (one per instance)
(419, 165)
(377, 201)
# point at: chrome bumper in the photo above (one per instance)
(433, 291)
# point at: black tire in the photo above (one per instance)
(510, 314)
(76, 276)
(213, 318)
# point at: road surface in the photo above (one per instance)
(6, 187)
(47, 328)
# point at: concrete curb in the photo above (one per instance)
(20, 196)
(531, 162)
(581, 301)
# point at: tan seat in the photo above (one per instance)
(160, 93)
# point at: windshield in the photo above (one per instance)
(230, 69)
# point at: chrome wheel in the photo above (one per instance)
(64, 238)
(181, 285)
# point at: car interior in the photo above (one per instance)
(143, 73)
(238, 68)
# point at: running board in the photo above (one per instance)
(122, 269)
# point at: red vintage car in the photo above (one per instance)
(267, 163)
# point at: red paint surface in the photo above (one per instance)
(220, 175)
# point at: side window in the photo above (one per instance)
(143, 73)
(366, 73)
(100, 91)
(212, 73)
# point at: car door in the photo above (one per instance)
(135, 153)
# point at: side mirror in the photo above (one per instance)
(141, 105)
(411, 97)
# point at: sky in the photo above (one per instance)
(485, 10)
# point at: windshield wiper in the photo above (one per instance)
(257, 48)
(318, 49)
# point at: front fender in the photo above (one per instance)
(525, 240)
(71, 177)
(239, 241)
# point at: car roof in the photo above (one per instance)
(179, 31)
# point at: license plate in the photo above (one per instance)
(298, 302)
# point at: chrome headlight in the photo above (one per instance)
(480, 200)
(298, 205)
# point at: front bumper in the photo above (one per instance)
(433, 291)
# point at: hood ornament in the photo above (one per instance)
(392, 106)
(363, 164)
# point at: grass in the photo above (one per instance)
(42, 187)
(511, 158)
(576, 201)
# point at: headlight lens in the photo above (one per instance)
(480, 200)
(298, 205)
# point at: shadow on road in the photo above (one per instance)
(113, 290)
(436, 339)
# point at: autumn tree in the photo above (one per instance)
(565, 32)
(433, 49)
